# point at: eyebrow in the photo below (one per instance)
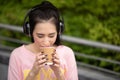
(43, 34)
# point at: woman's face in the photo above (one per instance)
(44, 34)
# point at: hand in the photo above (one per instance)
(39, 63)
(56, 62)
(56, 67)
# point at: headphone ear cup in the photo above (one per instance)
(26, 28)
(61, 23)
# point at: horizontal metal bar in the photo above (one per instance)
(98, 68)
(91, 43)
(6, 48)
(72, 39)
(97, 58)
(11, 27)
(13, 40)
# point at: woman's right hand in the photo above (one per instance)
(40, 61)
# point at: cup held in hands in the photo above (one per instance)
(49, 52)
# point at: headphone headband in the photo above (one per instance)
(43, 5)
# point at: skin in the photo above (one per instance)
(44, 35)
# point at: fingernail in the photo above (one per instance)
(52, 59)
(53, 54)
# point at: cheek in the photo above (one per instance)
(36, 40)
(54, 39)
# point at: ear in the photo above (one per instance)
(61, 24)
(27, 28)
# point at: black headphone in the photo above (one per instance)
(26, 25)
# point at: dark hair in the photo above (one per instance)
(44, 11)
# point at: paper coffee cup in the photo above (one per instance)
(48, 51)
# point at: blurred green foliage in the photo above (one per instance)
(97, 20)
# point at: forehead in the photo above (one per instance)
(45, 27)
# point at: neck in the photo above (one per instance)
(32, 47)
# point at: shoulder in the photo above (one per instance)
(66, 53)
(65, 49)
(17, 51)
(15, 56)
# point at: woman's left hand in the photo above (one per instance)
(56, 62)
(56, 67)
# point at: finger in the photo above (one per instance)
(37, 56)
(40, 57)
(56, 65)
(56, 61)
(54, 52)
(42, 65)
(40, 62)
(55, 56)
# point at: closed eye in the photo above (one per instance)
(40, 35)
(51, 35)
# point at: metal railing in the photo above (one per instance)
(72, 40)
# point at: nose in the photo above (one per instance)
(46, 42)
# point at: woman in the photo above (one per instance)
(27, 62)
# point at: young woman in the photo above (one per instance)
(27, 62)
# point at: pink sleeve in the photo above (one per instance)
(14, 70)
(71, 73)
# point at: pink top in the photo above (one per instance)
(21, 62)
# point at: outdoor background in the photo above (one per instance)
(96, 20)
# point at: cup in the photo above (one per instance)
(48, 51)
